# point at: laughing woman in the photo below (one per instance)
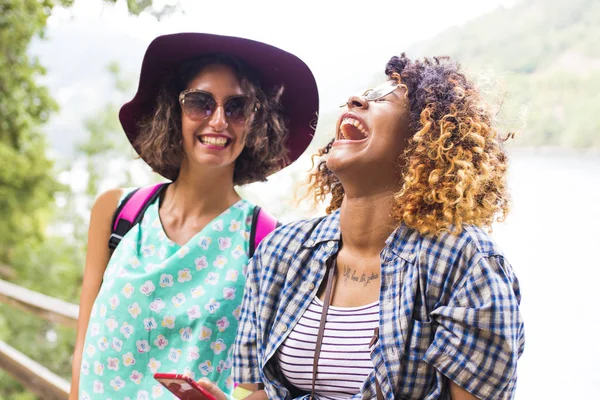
(399, 292)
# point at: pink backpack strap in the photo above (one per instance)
(131, 210)
(263, 223)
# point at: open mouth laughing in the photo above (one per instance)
(352, 128)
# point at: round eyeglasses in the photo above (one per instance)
(199, 105)
(378, 91)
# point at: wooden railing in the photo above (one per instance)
(38, 379)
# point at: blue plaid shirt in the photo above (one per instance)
(449, 307)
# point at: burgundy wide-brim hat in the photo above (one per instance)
(274, 67)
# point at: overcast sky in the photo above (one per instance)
(340, 40)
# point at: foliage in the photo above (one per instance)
(545, 57)
(27, 184)
(42, 240)
(26, 179)
(136, 7)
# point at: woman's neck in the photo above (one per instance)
(366, 222)
(194, 194)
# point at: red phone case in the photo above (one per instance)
(183, 386)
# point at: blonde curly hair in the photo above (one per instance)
(454, 169)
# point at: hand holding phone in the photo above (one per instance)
(183, 386)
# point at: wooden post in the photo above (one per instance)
(49, 308)
(36, 378)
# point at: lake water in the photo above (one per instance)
(552, 239)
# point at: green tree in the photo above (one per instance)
(42, 241)
(27, 184)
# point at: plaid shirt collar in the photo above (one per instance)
(398, 244)
(328, 229)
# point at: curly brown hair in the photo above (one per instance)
(454, 168)
(159, 143)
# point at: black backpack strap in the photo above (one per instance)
(131, 211)
(114, 239)
(263, 223)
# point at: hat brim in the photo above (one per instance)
(275, 67)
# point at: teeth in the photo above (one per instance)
(356, 123)
(213, 141)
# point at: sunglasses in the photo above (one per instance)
(199, 105)
(378, 91)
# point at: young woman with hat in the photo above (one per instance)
(211, 112)
(399, 292)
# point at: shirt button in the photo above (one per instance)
(310, 243)
(392, 352)
(331, 243)
(281, 328)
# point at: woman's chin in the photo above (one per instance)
(332, 163)
(340, 161)
(215, 162)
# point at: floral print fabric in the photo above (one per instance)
(167, 308)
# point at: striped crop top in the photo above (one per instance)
(345, 360)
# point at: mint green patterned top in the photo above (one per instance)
(167, 308)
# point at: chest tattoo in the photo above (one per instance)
(351, 275)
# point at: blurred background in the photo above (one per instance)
(67, 66)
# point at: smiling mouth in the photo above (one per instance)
(214, 141)
(352, 129)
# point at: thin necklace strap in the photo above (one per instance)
(331, 263)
